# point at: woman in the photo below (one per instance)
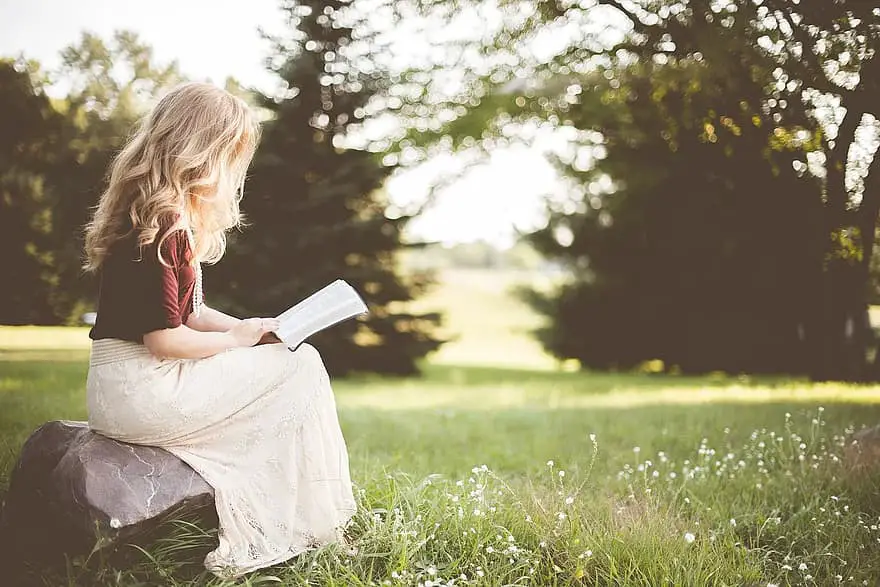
(257, 421)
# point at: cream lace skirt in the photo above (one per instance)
(259, 424)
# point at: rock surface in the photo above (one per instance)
(73, 491)
(863, 448)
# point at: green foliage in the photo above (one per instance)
(696, 208)
(29, 132)
(702, 254)
(316, 210)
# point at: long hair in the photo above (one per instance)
(188, 158)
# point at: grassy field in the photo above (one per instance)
(496, 469)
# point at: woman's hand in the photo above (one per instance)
(250, 331)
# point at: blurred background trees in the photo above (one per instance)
(724, 184)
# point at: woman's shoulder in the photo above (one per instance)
(175, 245)
(170, 244)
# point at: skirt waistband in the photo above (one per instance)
(112, 350)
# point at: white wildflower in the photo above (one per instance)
(689, 538)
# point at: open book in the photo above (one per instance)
(327, 307)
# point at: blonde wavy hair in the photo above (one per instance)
(185, 162)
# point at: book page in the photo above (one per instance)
(329, 306)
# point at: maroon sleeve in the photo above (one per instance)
(169, 302)
(155, 286)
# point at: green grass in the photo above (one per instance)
(487, 325)
(455, 484)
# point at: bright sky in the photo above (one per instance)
(218, 38)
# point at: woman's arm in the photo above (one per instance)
(211, 320)
(184, 342)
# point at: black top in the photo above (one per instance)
(138, 294)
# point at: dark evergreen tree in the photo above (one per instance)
(29, 130)
(707, 255)
(316, 209)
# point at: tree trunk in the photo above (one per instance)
(869, 211)
(840, 337)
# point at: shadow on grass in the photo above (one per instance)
(175, 548)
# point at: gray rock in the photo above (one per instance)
(863, 448)
(83, 492)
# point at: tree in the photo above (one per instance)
(29, 129)
(701, 253)
(814, 67)
(315, 207)
(824, 66)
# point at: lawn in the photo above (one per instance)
(501, 470)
